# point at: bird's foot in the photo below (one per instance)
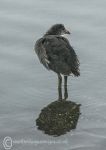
(64, 99)
(60, 99)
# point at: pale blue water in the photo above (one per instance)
(26, 86)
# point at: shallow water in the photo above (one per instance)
(26, 86)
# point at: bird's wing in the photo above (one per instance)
(56, 50)
(59, 50)
(41, 52)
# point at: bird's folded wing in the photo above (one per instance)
(58, 48)
(59, 51)
(41, 52)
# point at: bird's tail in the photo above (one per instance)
(75, 65)
(76, 72)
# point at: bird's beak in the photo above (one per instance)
(67, 32)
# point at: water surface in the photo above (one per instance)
(26, 86)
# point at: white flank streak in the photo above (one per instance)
(62, 75)
(47, 61)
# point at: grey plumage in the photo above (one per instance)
(56, 53)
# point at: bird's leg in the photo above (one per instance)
(65, 88)
(59, 87)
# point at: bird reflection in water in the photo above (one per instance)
(58, 118)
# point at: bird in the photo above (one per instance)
(56, 53)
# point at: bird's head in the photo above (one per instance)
(57, 29)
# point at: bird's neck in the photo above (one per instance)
(50, 32)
